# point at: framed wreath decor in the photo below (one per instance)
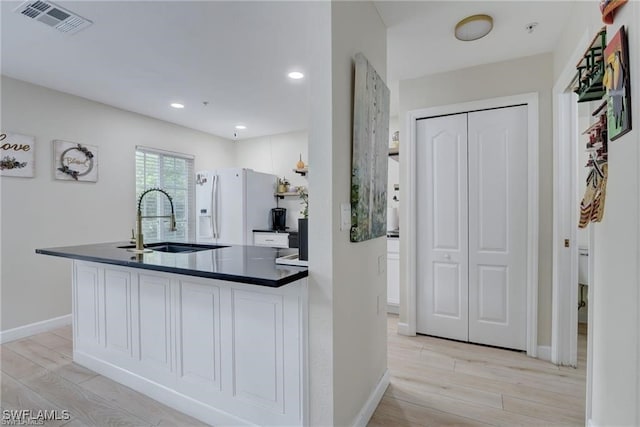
(75, 162)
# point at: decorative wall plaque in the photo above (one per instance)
(16, 155)
(75, 162)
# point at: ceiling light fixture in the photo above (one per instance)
(241, 127)
(295, 75)
(473, 27)
(177, 105)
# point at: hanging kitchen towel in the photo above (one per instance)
(608, 8)
(597, 213)
(586, 205)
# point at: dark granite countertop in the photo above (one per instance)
(245, 264)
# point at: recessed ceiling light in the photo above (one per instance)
(177, 105)
(241, 127)
(473, 27)
(295, 75)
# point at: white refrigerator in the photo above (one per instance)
(231, 203)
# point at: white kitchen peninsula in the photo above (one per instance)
(219, 334)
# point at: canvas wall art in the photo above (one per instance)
(75, 162)
(17, 155)
(370, 153)
(618, 85)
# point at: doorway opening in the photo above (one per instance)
(573, 250)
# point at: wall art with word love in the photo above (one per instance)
(17, 155)
(75, 162)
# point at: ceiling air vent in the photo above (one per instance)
(54, 16)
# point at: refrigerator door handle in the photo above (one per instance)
(214, 207)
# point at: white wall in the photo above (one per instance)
(523, 75)
(615, 321)
(347, 332)
(359, 325)
(277, 154)
(41, 212)
(320, 280)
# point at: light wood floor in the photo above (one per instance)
(434, 382)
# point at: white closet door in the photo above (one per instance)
(442, 289)
(498, 227)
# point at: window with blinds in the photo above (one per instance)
(172, 172)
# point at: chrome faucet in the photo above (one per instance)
(172, 225)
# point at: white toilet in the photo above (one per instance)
(583, 266)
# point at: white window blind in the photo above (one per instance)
(172, 172)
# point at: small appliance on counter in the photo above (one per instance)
(278, 219)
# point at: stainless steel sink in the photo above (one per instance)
(176, 248)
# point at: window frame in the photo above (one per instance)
(162, 230)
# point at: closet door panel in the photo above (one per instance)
(498, 188)
(442, 249)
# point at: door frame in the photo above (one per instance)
(564, 305)
(410, 227)
(564, 323)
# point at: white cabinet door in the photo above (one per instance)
(442, 250)
(117, 311)
(154, 312)
(86, 315)
(498, 227)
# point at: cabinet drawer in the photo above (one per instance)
(274, 240)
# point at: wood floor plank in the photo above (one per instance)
(457, 407)
(38, 353)
(16, 365)
(573, 416)
(75, 423)
(84, 405)
(51, 340)
(17, 397)
(64, 332)
(51, 359)
(144, 407)
(540, 380)
(465, 394)
(408, 371)
(411, 414)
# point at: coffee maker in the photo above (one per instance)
(278, 219)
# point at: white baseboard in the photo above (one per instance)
(403, 329)
(34, 328)
(590, 423)
(169, 397)
(544, 352)
(393, 308)
(365, 414)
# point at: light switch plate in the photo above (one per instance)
(345, 216)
